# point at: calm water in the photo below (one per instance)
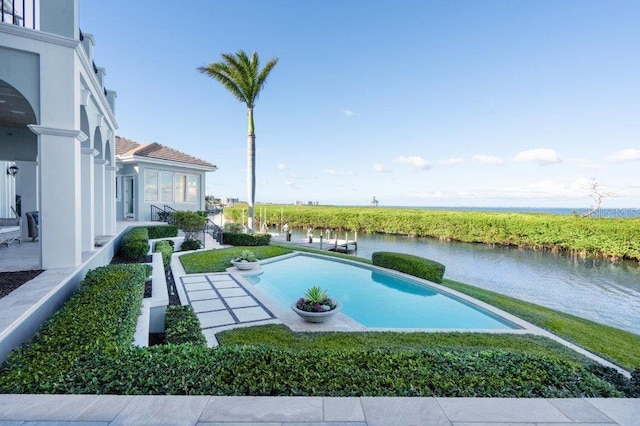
(608, 293)
(363, 291)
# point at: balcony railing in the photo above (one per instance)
(19, 12)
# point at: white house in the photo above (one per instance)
(152, 177)
(57, 126)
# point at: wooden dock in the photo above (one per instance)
(320, 243)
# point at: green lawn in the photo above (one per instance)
(220, 260)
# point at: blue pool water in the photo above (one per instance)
(363, 293)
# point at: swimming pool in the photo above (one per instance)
(364, 291)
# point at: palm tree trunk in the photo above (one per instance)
(251, 170)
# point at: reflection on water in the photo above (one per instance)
(595, 289)
(402, 286)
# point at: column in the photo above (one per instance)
(60, 196)
(99, 201)
(110, 198)
(88, 230)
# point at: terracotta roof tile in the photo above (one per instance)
(157, 151)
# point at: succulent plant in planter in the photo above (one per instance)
(316, 305)
(245, 260)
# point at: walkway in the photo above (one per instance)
(215, 410)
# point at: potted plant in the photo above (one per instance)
(316, 305)
(245, 261)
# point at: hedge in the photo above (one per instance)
(182, 326)
(100, 317)
(254, 370)
(163, 231)
(166, 249)
(409, 264)
(135, 243)
(235, 239)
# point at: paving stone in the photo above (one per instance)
(343, 410)
(240, 302)
(232, 292)
(104, 408)
(388, 411)
(48, 423)
(252, 409)
(580, 410)
(225, 284)
(202, 295)
(208, 305)
(42, 407)
(625, 412)
(162, 410)
(215, 319)
(11, 422)
(221, 277)
(194, 279)
(197, 286)
(251, 314)
(501, 410)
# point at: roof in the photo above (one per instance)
(128, 148)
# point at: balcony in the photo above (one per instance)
(20, 12)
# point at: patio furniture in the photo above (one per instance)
(10, 230)
(33, 225)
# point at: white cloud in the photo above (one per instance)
(416, 162)
(624, 155)
(451, 161)
(282, 166)
(542, 156)
(486, 159)
(380, 168)
(348, 113)
(338, 172)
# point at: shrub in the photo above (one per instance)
(100, 317)
(190, 222)
(233, 227)
(166, 249)
(182, 326)
(190, 244)
(246, 239)
(409, 264)
(163, 231)
(135, 243)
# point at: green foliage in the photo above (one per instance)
(233, 227)
(190, 223)
(605, 237)
(316, 294)
(409, 264)
(135, 243)
(246, 256)
(162, 231)
(182, 326)
(219, 260)
(246, 239)
(166, 249)
(100, 317)
(190, 244)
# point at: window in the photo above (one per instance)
(150, 187)
(166, 187)
(192, 189)
(181, 184)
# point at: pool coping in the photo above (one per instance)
(343, 323)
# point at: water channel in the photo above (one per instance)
(602, 291)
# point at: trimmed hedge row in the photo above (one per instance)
(165, 247)
(182, 326)
(409, 264)
(163, 231)
(254, 370)
(135, 243)
(100, 317)
(235, 239)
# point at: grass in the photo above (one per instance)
(220, 260)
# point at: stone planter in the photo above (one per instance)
(316, 316)
(245, 266)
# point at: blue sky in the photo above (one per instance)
(420, 103)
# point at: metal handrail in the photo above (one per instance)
(156, 213)
(214, 230)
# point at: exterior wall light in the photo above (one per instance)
(13, 170)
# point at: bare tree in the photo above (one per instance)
(597, 194)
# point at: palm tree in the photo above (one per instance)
(243, 77)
